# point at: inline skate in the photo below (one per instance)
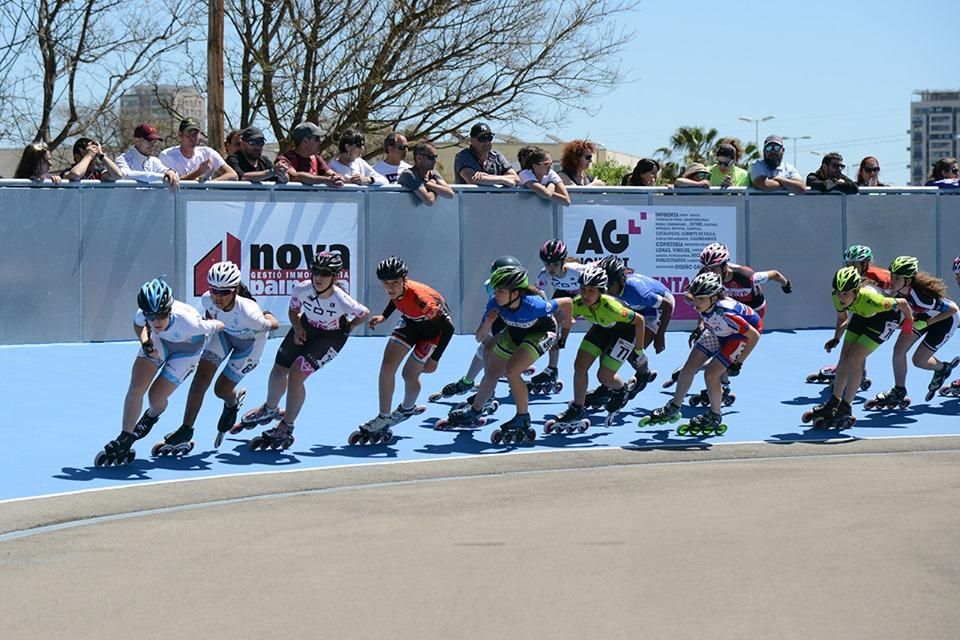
(895, 398)
(278, 439)
(545, 382)
(573, 418)
(117, 452)
(452, 389)
(953, 391)
(821, 412)
(515, 430)
(598, 397)
(703, 398)
(144, 425)
(705, 424)
(618, 400)
(842, 418)
(262, 416)
(940, 376)
(228, 417)
(176, 443)
(662, 415)
(378, 430)
(827, 374)
(489, 407)
(464, 417)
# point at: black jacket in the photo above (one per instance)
(818, 182)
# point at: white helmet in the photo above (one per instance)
(224, 275)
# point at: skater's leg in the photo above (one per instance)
(494, 368)
(277, 385)
(554, 358)
(393, 355)
(226, 390)
(198, 388)
(900, 349)
(694, 362)
(608, 377)
(140, 377)
(296, 394)
(713, 376)
(411, 381)
(519, 362)
(853, 365)
(581, 375)
(158, 395)
(924, 358)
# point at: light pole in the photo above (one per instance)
(795, 138)
(757, 121)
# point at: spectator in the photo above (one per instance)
(576, 159)
(829, 177)
(537, 174)
(193, 161)
(771, 173)
(869, 173)
(350, 164)
(90, 163)
(395, 155)
(425, 182)
(480, 164)
(695, 175)
(249, 162)
(139, 163)
(944, 175)
(726, 172)
(35, 164)
(645, 174)
(303, 163)
(232, 143)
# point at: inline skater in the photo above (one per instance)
(171, 335)
(954, 389)
(425, 327)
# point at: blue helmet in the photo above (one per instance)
(155, 297)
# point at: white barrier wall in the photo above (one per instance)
(73, 257)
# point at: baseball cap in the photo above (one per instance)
(479, 129)
(189, 124)
(776, 139)
(306, 129)
(252, 133)
(146, 131)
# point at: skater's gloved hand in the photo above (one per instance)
(787, 287)
(919, 325)
(561, 343)
(734, 369)
(694, 336)
(299, 334)
(147, 347)
(830, 344)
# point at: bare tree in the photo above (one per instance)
(79, 56)
(429, 67)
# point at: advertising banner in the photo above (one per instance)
(273, 243)
(661, 241)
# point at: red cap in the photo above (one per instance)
(146, 132)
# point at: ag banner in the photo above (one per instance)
(662, 242)
(273, 243)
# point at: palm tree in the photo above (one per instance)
(692, 143)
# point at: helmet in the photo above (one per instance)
(858, 253)
(715, 255)
(846, 279)
(613, 265)
(706, 284)
(504, 261)
(326, 261)
(224, 275)
(594, 276)
(553, 251)
(906, 266)
(509, 277)
(956, 264)
(391, 268)
(155, 297)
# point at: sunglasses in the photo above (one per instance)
(724, 163)
(588, 157)
(429, 156)
(220, 292)
(872, 169)
(163, 315)
(952, 170)
(322, 272)
(401, 147)
(486, 137)
(258, 142)
(834, 165)
(773, 147)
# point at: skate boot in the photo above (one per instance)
(618, 400)
(573, 418)
(489, 407)
(643, 376)
(117, 452)
(821, 412)
(953, 391)
(464, 417)
(865, 382)
(667, 413)
(703, 398)
(144, 424)
(262, 415)
(673, 378)
(515, 430)
(177, 443)
(545, 382)
(824, 376)
(843, 418)
(896, 398)
(452, 389)
(598, 397)
(228, 417)
(705, 424)
(940, 376)
(278, 438)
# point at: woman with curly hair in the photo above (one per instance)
(576, 159)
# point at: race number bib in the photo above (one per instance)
(621, 350)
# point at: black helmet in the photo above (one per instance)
(327, 261)
(613, 265)
(391, 268)
(504, 261)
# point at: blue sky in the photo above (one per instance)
(840, 72)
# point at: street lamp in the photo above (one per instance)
(795, 138)
(757, 121)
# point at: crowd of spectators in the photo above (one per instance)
(477, 164)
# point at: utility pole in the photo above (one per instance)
(215, 74)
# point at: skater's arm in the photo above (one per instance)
(565, 312)
(948, 309)
(776, 276)
(751, 338)
(639, 327)
(486, 325)
(143, 335)
(446, 333)
(271, 320)
(666, 313)
(843, 319)
(907, 312)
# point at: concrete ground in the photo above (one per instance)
(856, 539)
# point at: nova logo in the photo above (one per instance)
(215, 255)
(607, 239)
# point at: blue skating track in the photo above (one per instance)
(63, 402)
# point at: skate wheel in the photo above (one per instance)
(386, 437)
(865, 384)
(100, 460)
(729, 400)
(131, 456)
(806, 417)
(721, 429)
(706, 431)
(354, 438)
(219, 439)
(441, 424)
(813, 377)
(583, 426)
(869, 405)
(433, 397)
(494, 406)
(375, 437)
(155, 451)
(531, 435)
(254, 444)
(496, 437)
(548, 427)
(683, 430)
(558, 386)
(695, 401)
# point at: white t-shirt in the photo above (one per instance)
(324, 313)
(551, 178)
(244, 321)
(185, 325)
(391, 171)
(784, 169)
(134, 164)
(174, 159)
(356, 167)
(568, 280)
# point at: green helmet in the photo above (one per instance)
(858, 253)
(906, 266)
(846, 279)
(509, 277)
